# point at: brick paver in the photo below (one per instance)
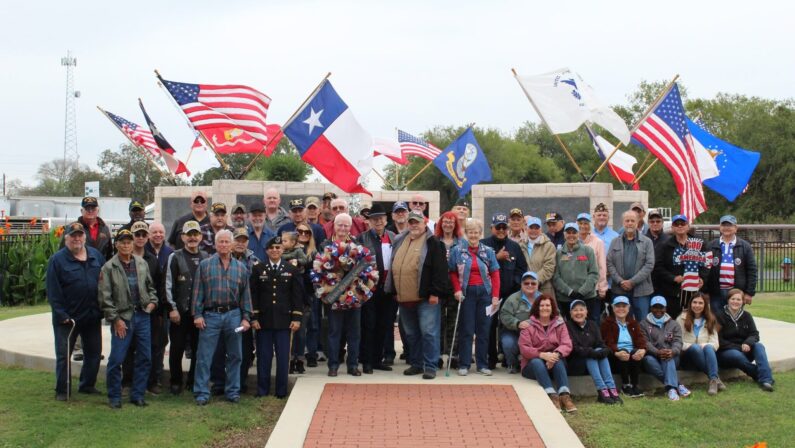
(419, 415)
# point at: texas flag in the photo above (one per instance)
(620, 165)
(329, 138)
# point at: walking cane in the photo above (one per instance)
(452, 343)
(69, 361)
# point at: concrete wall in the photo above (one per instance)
(622, 199)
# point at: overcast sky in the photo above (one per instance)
(412, 65)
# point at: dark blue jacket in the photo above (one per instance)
(258, 245)
(511, 270)
(73, 286)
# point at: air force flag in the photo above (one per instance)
(735, 165)
(464, 163)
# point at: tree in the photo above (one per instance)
(61, 177)
(284, 164)
(129, 173)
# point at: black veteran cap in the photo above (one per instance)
(89, 201)
(273, 241)
(136, 204)
(74, 227)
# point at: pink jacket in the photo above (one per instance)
(534, 339)
(598, 247)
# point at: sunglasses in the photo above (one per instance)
(679, 224)
(529, 283)
(304, 232)
(417, 203)
(338, 208)
(199, 201)
(90, 208)
(501, 227)
(140, 234)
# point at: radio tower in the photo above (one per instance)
(70, 121)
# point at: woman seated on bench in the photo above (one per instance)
(627, 345)
(700, 341)
(589, 353)
(739, 342)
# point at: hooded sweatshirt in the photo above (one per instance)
(663, 333)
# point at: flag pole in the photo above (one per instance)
(380, 175)
(195, 131)
(418, 173)
(148, 155)
(651, 165)
(634, 128)
(286, 123)
(592, 135)
(560, 142)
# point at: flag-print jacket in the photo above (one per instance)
(745, 270)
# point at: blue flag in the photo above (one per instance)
(735, 164)
(464, 163)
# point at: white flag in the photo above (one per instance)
(564, 101)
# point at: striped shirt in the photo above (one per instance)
(214, 286)
(727, 264)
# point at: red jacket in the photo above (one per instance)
(610, 333)
(534, 340)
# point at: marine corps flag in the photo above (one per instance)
(464, 163)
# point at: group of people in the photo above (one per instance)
(226, 289)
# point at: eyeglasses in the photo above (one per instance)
(140, 234)
(304, 232)
(199, 201)
(90, 208)
(417, 203)
(529, 283)
(679, 224)
(339, 208)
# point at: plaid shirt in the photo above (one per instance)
(208, 237)
(215, 286)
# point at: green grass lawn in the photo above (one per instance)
(779, 306)
(738, 417)
(30, 417)
(10, 312)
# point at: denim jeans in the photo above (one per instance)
(701, 359)
(139, 332)
(219, 325)
(422, 323)
(389, 339)
(753, 363)
(640, 307)
(313, 329)
(510, 347)
(92, 348)
(474, 322)
(599, 369)
(299, 338)
(269, 341)
(536, 369)
(348, 322)
(717, 302)
(665, 371)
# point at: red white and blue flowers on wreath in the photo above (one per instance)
(333, 263)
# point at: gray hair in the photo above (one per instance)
(474, 223)
(344, 216)
(223, 232)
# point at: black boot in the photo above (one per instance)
(299, 366)
(292, 366)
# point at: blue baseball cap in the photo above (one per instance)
(399, 205)
(728, 218)
(530, 274)
(584, 217)
(577, 302)
(679, 218)
(571, 226)
(533, 221)
(658, 300)
(499, 218)
(620, 299)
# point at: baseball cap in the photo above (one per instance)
(256, 207)
(679, 218)
(416, 216)
(576, 302)
(600, 207)
(297, 204)
(74, 227)
(89, 201)
(658, 300)
(197, 194)
(123, 234)
(515, 211)
(621, 299)
(461, 202)
(191, 226)
(399, 205)
(312, 201)
(376, 210)
(584, 217)
(571, 226)
(530, 274)
(329, 196)
(136, 204)
(638, 205)
(728, 218)
(139, 226)
(653, 212)
(553, 216)
(240, 231)
(218, 207)
(239, 208)
(533, 221)
(499, 218)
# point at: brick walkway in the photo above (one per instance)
(411, 415)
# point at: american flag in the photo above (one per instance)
(727, 266)
(140, 136)
(414, 146)
(691, 258)
(665, 134)
(209, 106)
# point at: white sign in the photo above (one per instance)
(92, 189)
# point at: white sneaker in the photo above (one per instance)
(463, 372)
(673, 395)
(683, 391)
(485, 372)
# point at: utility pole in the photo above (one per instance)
(70, 153)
